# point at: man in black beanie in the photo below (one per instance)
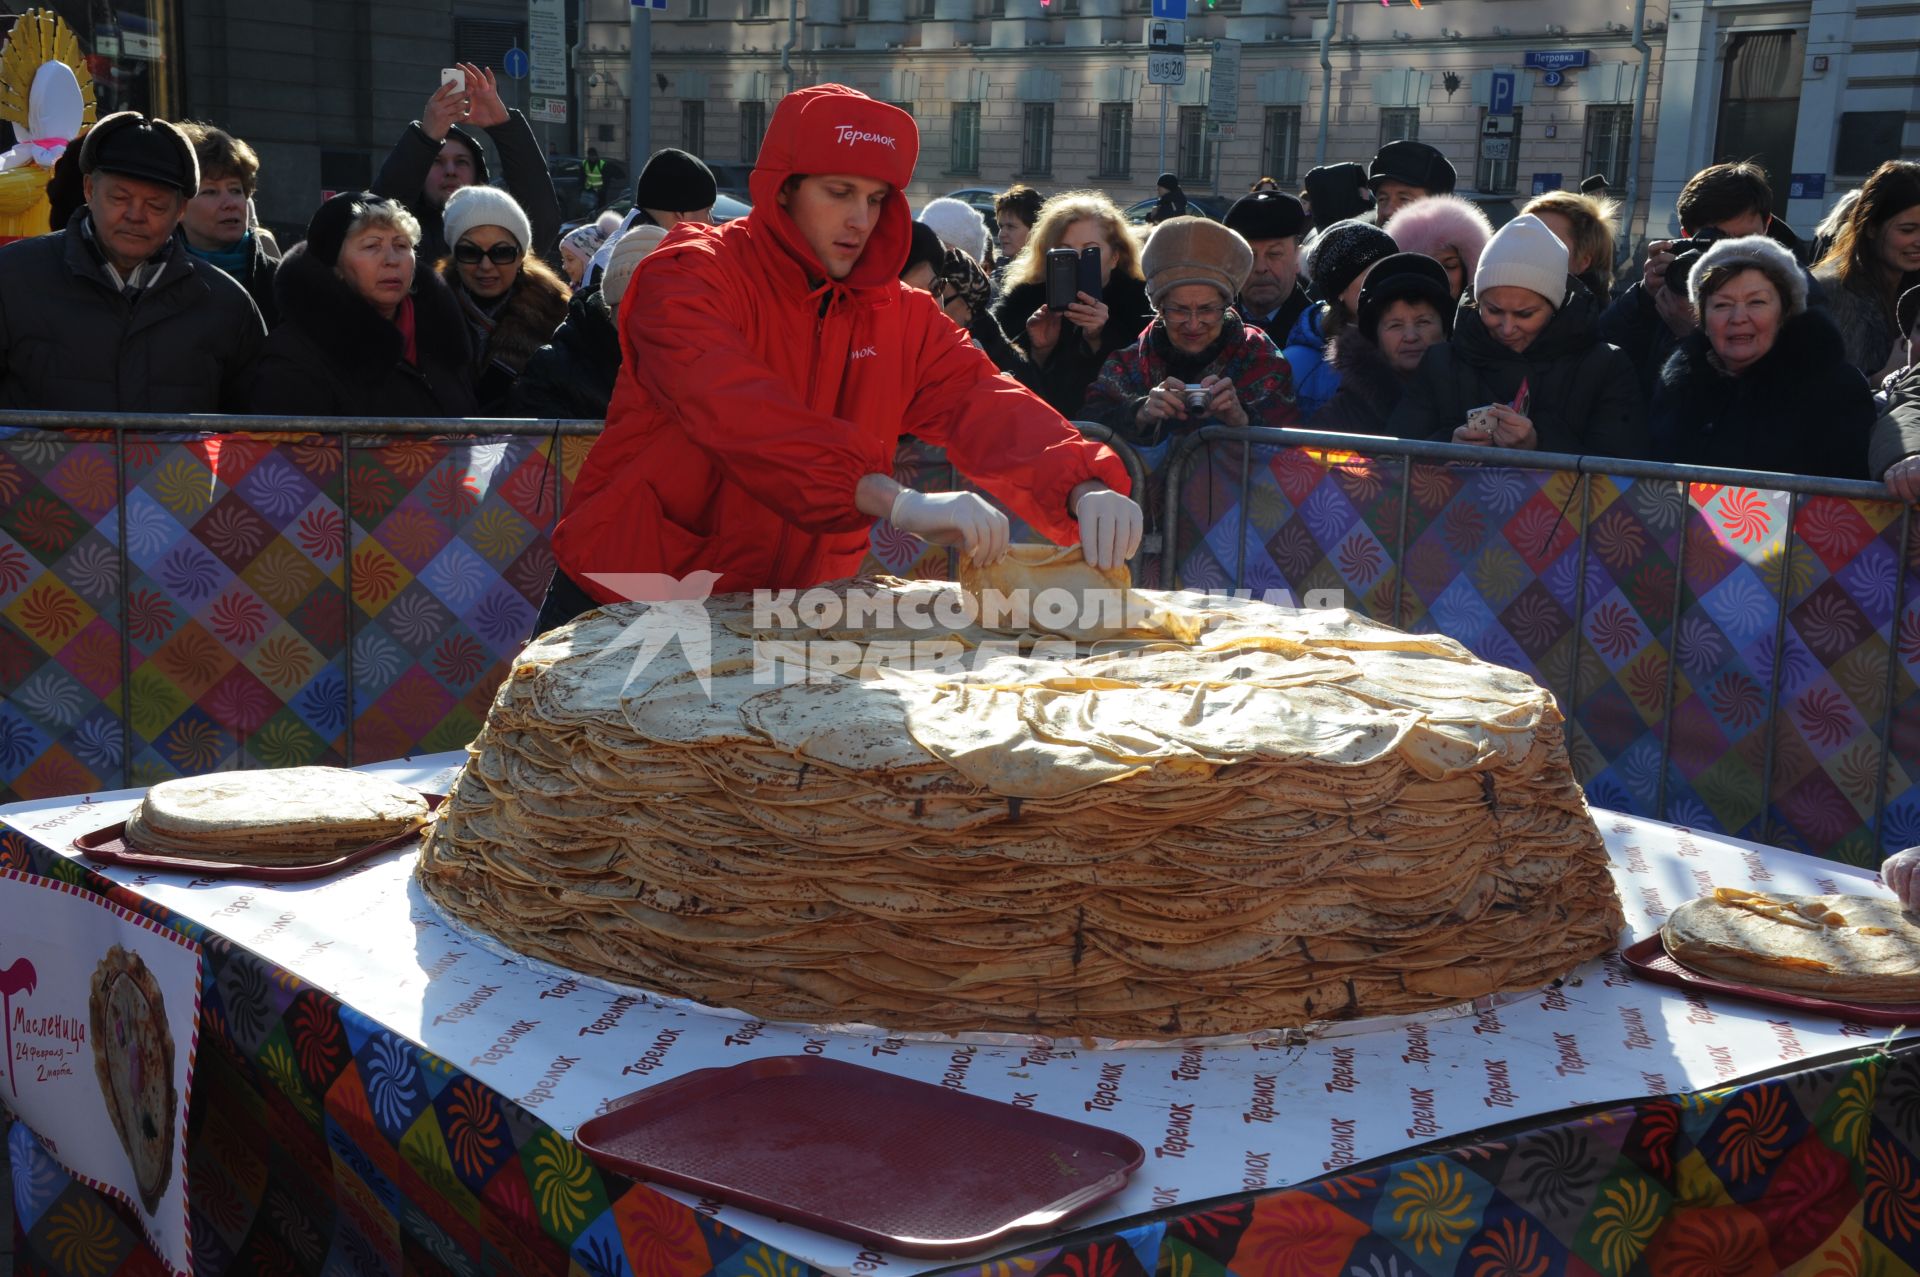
(674, 187)
(1273, 223)
(436, 156)
(1173, 200)
(113, 314)
(1405, 171)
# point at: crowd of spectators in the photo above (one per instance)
(1375, 301)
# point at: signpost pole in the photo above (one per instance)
(1163, 129)
(640, 90)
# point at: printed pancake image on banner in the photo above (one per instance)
(133, 1058)
(101, 1013)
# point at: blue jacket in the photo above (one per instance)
(1315, 379)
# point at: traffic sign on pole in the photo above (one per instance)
(1500, 97)
(1173, 9)
(1166, 68)
(515, 63)
(547, 46)
(1223, 85)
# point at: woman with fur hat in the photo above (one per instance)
(1526, 349)
(1763, 384)
(1066, 349)
(1405, 307)
(1450, 230)
(1338, 266)
(512, 300)
(766, 384)
(362, 332)
(1195, 268)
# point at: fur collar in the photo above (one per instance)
(351, 333)
(1365, 372)
(533, 310)
(1807, 348)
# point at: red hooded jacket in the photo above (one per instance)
(755, 392)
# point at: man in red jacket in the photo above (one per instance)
(768, 370)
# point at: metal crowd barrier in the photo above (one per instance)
(373, 578)
(1823, 572)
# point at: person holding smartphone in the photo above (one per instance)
(769, 369)
(439, 154)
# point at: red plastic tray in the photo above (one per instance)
(109, 847)
(912, 1168)
(1650, 958)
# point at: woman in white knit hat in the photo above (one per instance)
(512, 300)
(1527, 350)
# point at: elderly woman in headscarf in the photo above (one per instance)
(1197, 362)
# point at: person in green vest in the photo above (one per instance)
(595, 180)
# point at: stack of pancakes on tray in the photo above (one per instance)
(1233, 818)
(290, 816)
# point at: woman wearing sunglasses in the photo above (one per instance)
(363, 333)
(512, 302)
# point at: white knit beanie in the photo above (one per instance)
(959, 226)
(1757, 252)
(625, 259)
(1524, 254)
(472, 206)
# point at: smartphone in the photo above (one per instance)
(1090, 271)
(1481, 419)
(1063, 277)
(454, 76)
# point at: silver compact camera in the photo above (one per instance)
(1197, 396)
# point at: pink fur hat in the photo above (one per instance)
(1430, 224)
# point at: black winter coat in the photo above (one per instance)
(1369, 391)
(1063, 381)
(71, 342)
(504, 341)
(1583, 397)
(256, 276)
(336, 356)
(1896, 436)
(1801, 410)
(1281, 325)
(571, 378)
(404, 177)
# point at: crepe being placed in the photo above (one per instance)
(1290, 817)
(290, 816)
(1852, 948)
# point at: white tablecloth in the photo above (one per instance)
(1214, 1121)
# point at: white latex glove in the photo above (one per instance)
(1110, 526)
(954, 518)
(1901, 873)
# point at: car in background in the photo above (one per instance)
(980, 200)
(732, 179)
(725, 209)
(1209, 206)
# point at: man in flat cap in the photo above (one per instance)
(1273, 223)
(113, 314)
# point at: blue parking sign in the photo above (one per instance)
(1500, 99)
(1175, 10)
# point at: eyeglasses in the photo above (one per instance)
(500, 254)
(1192, 314)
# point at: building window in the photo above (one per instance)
(696, 8)
(1196, 148)
(1867, 138)
(1499, 158)
(1066, 6)
(693, 127)
(861, 9)
(963, 148)
(1280, 145)
(1609, 143)
(485, 41)
(757, 8)
(1116, 139)
(1760, 102)
(1036, 139)
(996, 8)
(1397, 122)
(753, 127)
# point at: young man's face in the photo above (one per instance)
(836, 215)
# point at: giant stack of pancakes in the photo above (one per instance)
(1225, 818)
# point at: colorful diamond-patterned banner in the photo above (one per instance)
(172, 604)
